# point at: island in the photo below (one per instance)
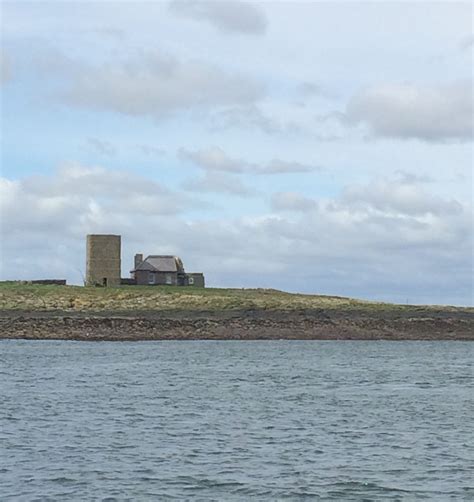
(60, 312)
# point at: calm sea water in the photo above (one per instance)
(236, 421)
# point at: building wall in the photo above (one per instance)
(103, 263)
(124, 281)
(195, 279)
(145, 278)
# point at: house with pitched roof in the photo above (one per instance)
(169, 270)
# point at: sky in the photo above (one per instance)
(315, 147)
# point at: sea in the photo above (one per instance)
(236, 420)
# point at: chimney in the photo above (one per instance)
(138, 260)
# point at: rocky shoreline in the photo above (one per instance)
(317, 324)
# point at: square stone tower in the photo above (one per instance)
(103, 266)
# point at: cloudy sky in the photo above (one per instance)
(305, 146)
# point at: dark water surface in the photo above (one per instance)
(236, 421)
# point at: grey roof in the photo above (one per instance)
(161, 263)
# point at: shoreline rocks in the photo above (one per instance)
(236, 325)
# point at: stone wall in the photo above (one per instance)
(48, 282)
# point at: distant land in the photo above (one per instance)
(55, 312)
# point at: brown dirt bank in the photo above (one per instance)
(315, 324)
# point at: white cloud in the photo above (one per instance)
(426, 112)
(78, 197)
(5, 68)
(230, 16)
(291, 201)
(343, 248)
(218, 182)
(149, 84)
(216, 159)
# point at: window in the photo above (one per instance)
(168, 279)
(151, 278)
(191, 281)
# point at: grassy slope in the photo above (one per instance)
(15, 296)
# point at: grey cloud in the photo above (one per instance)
(277, 166)
(247, 116)
(151, 150)
(51, 63)
(430, 113)
(313, 89)
(467, 43)
(310, 89)
(216, 159)
(5, 68)
(231, 16)
(250, 116)
(399, 197)
(110, 32)
(150, 84)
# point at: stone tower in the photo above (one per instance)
(103, 266)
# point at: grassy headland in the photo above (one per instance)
(30, 297)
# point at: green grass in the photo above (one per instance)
(24, 296)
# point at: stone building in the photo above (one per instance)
(103, 266)
(164, 269)
(103, 262)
